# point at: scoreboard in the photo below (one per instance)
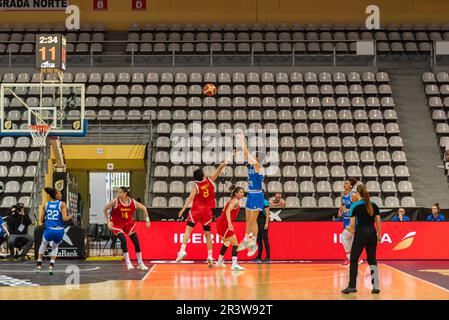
(51, 52)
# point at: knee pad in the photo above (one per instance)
(191, 224)
(346, 239)
(43, 246)
(122, 238)
(234, 251)
(223, 249)
(206, 228)
(135, 241)
(54, 249)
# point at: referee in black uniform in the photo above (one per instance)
(364, 214)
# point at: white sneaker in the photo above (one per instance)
(142, 266)
(236, 267)
(129, 267)
(220, 265)
(210, 262)
(243, 245)
(181, 255)
(252, 250)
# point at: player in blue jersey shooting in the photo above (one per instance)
(255, 198)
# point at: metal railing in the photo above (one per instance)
(38, 182)
(210, 57)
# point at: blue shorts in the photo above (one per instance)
(54, 235)
(255, 201)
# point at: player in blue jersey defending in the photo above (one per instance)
(52, 215)
(255, 198)
(348, 197)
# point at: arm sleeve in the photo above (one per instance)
(376, 209)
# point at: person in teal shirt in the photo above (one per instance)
(263, 221)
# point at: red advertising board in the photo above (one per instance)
(100, 5)
(302, 241)
(139, 5)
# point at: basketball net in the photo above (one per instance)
(39, 133)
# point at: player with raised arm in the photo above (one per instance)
(226, 230)
(121, 222)
(202, 198)
(52, 215)
(255, 198)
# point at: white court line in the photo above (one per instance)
(416, 278)
(44, 270)
(58, 264)
(149, 271)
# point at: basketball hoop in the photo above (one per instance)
(39, 133)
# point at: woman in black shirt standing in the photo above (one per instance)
(364, 214)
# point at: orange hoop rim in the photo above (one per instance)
(39, 127)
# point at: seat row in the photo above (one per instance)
(272, 48)
(294, 202)
(19, 156)
(14, 186)
(289, 187)
(283, 35)
(208, 77)
(329, 115)
(348, 157)
(10, 201)
(20, 142)
(436, 86)
(336, 171)
(18, 171)
(238, 89)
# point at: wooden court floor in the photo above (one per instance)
(196, 281)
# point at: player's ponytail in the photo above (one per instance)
(361, 188)
(352, 181)
(51, 192)
(126, 190)
(234, 190)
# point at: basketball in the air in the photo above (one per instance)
(209, 90)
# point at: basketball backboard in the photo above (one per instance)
(59, 105)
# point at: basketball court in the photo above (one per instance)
(406, 280)
(139, 138)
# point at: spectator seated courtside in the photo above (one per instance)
(436, 216)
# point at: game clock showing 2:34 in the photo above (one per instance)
(51, 52)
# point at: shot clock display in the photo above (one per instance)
(51, 52)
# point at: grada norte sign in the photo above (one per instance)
(33, 5)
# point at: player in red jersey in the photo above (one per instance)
(203, 197)
(226, 230)
(121, 222)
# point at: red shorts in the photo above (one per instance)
(126, 227)
(223, 229)
(201, 215)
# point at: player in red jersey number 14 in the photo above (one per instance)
(122, 223)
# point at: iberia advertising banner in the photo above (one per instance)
(302, 241)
